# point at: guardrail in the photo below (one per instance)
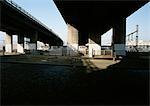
(12, 3)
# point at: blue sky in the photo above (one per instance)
(47, 13)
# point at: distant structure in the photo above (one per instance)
(143, 46)
(130, 37)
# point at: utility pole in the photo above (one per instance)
(136, 39)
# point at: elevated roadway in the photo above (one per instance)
(16, 21)
(92, 18)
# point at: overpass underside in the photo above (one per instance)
(88, 20)
(16, 21)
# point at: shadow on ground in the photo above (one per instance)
(120, 84)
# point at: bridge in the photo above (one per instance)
(16, 21)
(66, 80)
(88, 20)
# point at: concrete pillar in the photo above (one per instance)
(26, 43)
(20, 45)
(119, 34)
(94, 45)
(33, 41)
(73, 40)
(8, 43)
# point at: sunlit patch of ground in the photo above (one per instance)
(98, 64)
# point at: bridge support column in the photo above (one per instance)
(8, 43)
(20, 45)
(72, 41)
(94, 45)
(119, 34)
(33, 41)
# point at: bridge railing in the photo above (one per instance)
(12, 3)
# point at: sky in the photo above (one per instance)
(47, 12)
